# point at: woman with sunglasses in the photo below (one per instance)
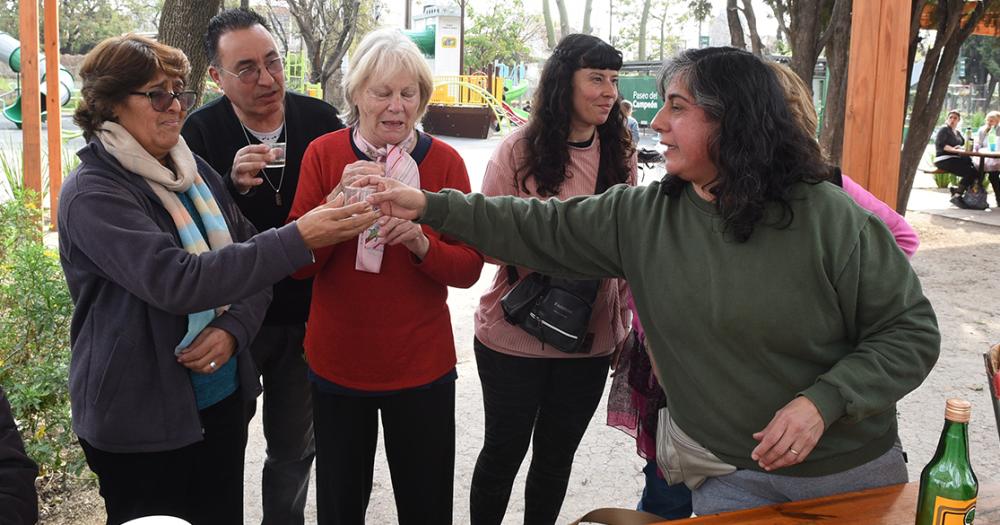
(170, 286)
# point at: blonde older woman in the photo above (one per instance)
(379, 337)
(169, 285)
(991, 166)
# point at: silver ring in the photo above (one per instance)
(212, 366)
(792, 450)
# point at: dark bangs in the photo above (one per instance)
(601, 56)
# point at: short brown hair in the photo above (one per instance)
(117, 66)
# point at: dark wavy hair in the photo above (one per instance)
(552, 107)
(759, 151)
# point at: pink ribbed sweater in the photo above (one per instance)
(610, 320)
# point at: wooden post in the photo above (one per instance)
(53, 106)
(876, 89)
(31, 107)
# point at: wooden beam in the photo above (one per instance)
(53, 106)
(31, 107)
(876, 90)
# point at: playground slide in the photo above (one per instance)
(10, 53)
(516, 92)
(516, 116)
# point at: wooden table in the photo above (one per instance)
(983, 155)
(893, 505)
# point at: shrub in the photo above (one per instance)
(35, 312)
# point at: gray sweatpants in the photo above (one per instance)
(745, 489)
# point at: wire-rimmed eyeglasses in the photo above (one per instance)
(251, 74)
(161, 100)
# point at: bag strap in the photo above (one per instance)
(511, 275)
(609, 516)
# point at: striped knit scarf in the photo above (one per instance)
(399, 165)
(166, 185)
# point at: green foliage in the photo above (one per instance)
(943, 180)
(701, 10)
(663, 15)
(35, 311)
(501, 34)
(84, 23)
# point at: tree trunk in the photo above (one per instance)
(663, 26)
(587, 7)
(563, 19)
(755, 44)
(991, 86)
(804, 31)
(245, 4)
(550, 32)
(333, 92)
(735, 27)
(779, 9)
(328, 30)
(183, 24)
(643, 23)
(831, 137)
(933, 85)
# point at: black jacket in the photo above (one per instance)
(214, 133)
(133, 285)
(18, 500)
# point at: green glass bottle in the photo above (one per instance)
(948, 486)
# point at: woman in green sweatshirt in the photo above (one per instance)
(783, 320)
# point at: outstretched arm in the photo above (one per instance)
(577, 238)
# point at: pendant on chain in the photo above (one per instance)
(277, 198)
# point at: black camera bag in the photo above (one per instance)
(555, 311)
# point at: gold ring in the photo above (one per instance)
(212, 366)
(793, 451)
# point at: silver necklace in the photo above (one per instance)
(277, 189)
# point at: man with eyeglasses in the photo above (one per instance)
(234, 134)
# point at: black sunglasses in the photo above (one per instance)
(161, 100)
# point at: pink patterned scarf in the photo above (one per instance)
(399, 165)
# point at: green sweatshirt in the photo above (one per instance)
(827, 307)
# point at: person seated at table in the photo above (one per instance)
(169, 285)
(990, 165)
(782, 319)
(630, 122)
(947, 144)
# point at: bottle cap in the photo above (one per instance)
(957, 410)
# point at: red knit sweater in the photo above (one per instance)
(389, 330)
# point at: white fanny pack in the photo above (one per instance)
(681, 458)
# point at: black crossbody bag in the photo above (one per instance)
(555, 311)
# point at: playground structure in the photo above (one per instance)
(10, 54)
(297, 75)
(462, 105)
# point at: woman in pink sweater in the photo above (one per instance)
(576, 144)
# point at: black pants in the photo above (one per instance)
(546, 401)
(419, 427)
(201, 483)
(995, 182)
(967, 172)
(288, 423)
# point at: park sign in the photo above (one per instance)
(641, 91)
